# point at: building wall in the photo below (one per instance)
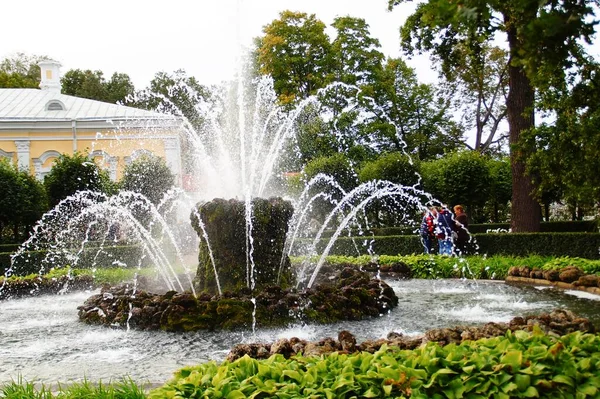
(36, 151)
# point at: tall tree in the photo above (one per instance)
(295, 51)
(20, 71)
(540, 35)
(478, 82)
(356, 58)
(412, 114)
(565, 158)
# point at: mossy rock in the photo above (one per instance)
(354, 297)
(224, 223)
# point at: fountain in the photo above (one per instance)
(244, 286)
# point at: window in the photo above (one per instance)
(55, 105)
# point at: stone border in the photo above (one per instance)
(556, 284)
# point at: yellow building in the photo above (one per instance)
(36, 126)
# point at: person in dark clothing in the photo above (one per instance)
(443, 230)
(462, 233)
(427, 229)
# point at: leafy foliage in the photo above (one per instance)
(72, 173)
(92, 84)
(150, 176)
(20, 71)
(544, 48)
(337, 166)
(519, 364)
(394, 166)
(295, 52)
(415, 114)
(176, 94)
(23, 200)
(460, 178)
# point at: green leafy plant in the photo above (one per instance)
(518, 365)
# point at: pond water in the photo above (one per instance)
(41, 338)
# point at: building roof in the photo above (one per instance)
(24, 105)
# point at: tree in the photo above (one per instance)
(295, 51)
(479, 82)
(356, 58)
(500, 189)
(92, 85)
(150, 176)
(72, 173)
(393, 166)
(337, 166)
(412, 114)
(21, 71)
(22, 203)
(459, 178)
(176, 94)
(564, 158)
(542, 39)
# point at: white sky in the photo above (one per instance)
(140, 37)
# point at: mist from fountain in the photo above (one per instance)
(234, 154)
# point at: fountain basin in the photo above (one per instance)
(351, 295)
(43, 339)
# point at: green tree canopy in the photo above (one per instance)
(22, 203)
(295, 51)
(543, 45)
(337, 166)
(413, 114)
(176, 94)
(72, 173)
(460, 178)
(150, 176)
(393, 166)
(93, 85)
(21, 71)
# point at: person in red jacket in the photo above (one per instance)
(427, 229)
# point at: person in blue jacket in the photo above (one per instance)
(443, 231)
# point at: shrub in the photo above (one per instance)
(70, 174)
(519, 364)
(150, 176)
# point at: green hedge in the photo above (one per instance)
(578, 226)
(517, 365)
(9, 247)
(585, 226)
(582, 245)
(31, 261)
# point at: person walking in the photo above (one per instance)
(443, 230)
(427, 229)
(461, 221)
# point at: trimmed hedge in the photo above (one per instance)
(110, 256)
(582, 245)
(577, 226)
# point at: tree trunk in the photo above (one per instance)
(526, 212)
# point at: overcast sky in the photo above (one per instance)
(141, 38)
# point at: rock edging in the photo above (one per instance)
(559, 322)
(570, 278)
